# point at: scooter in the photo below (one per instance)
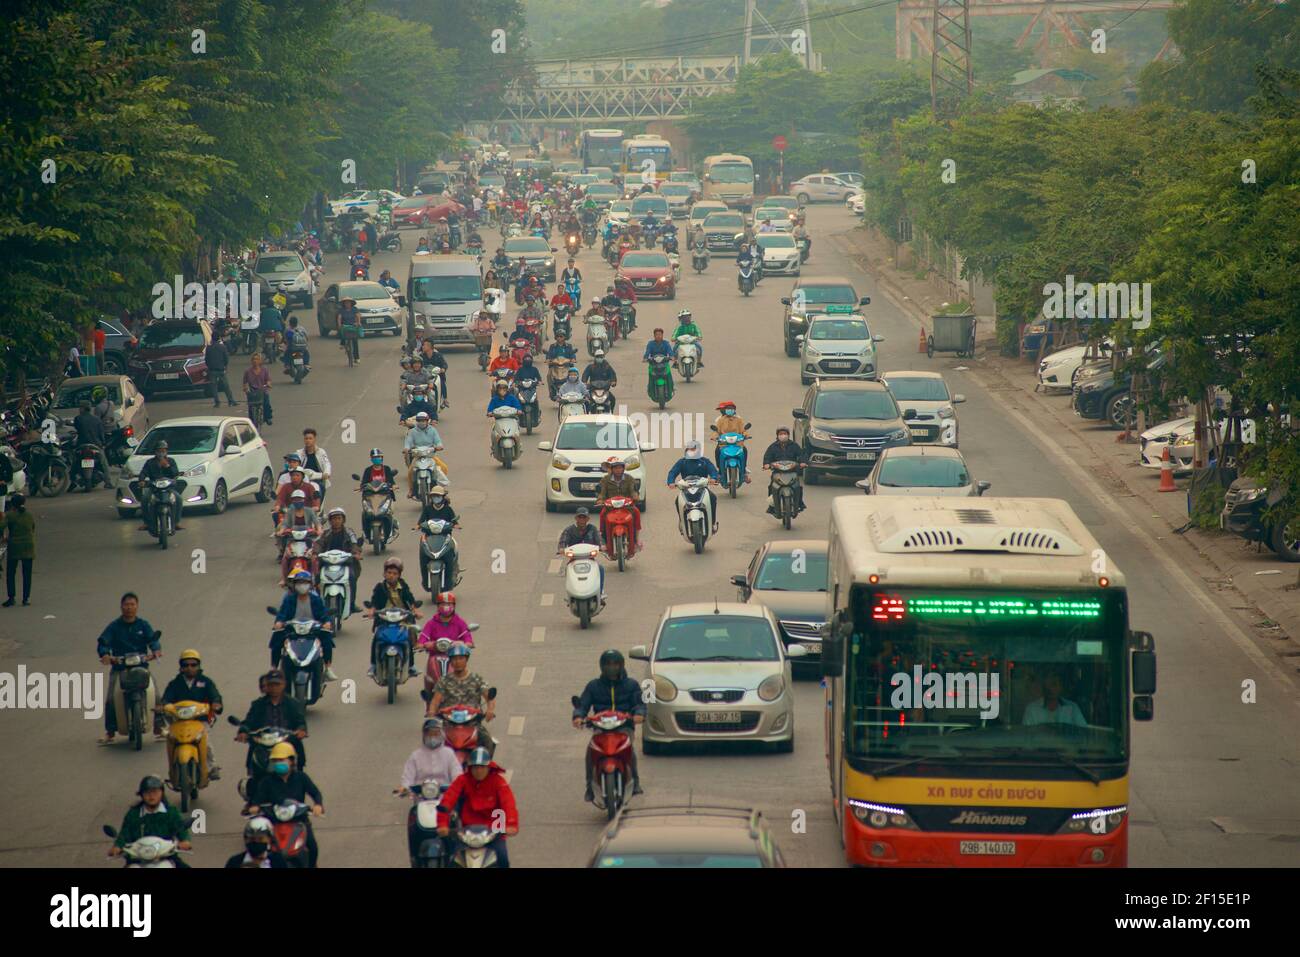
(688, 356)
(298, 366)
(290, 820)
(505, 435)
(557, 371)
(270, 346)
(700, 258)
(600, 401)
(783, 491)
(571, 403)
(248, 331)
(335, 585)
(669, 244)
(135, 695)
(472, 849)
(803, 249)
(302, 661)
(694, 514)
(733, 458)
(298, 543)
(422, 825)
(392, 649)
(160, 515)
(462, 723)
(597, 334)
(391, 241)
(148, 851)
(627, 310)
(527, 393)
(660, 384)
(89, 472)
(613, 324)
(426, 471)
(582, 582)
(439, 557)
(746, 279)
(619, 517)
(589, 235)
(260, 743)
(377, 525)
(611, 758)
(562, 322)
(439, 658)
(187, 748)
(572, 244)
(360, 271)
(573, 288)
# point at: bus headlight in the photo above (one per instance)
(881, 815)
(1099, 821)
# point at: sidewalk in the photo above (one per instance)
(1254, 583)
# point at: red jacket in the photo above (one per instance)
(481, 798)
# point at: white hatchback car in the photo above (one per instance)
(582, 446)
(935, 408)
(1058, 370)
(215, 471)
(780, 254)
(856, 202)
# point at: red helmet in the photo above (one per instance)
(614, 460)
(446, 602)
(726, 405)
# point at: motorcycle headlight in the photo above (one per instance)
(632, 462)
(200, 469)
(946, 412)
(898, 435)
(821, 435)
(771, 687)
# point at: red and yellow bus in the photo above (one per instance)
(980, 675)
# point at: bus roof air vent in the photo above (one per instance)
(975, 516)
(989, 538)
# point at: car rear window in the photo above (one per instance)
(918, 390)
(70, 396)
(716, 638)
(824, 295)
(923, 471)
(782, 572)
(268, 265)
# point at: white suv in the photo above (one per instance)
(283, 270)
(582, 446)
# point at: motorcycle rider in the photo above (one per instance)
(559, 349)
(91, 431)
(657, 347)
(692, 464)
(436, 364)
(582, 532)
(612, 690)
(295, 338)
(126, 635)
(439, 507)
(460, 686)
(393, 591)
(562, 300)
(313, 457)
(616, 482)
(624, 290)
(152, 816)
(572, 385)
(304, 603)
(337, 536)
(429, 762)
(160, 466)
(686, 327)
(479, 794)
(500, 262)
(441, 233)
(416, 374)
(386, 280)
(296, 518)
(274, 709)
(745, 260)
(783, 450)
(422, 246)
(423, 436)
(600, 371)
(259, 833)
(285, 782)
(191, 684)
(767, 226)
(445, 624)
(527, 374)
(571, 274)
(296, 482)
(503, 360)
(698, 239)
(801, 234)
(523, 331)
(728, 421)
(649, 225)
(503, 396)
(271, 319)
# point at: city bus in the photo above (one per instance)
(729, 178)
(644, 155)
(979, 673)
(601, 148)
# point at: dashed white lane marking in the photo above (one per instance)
(516, 727)
(555, 566)
(548, 599)
(539, 635)
(526, 677)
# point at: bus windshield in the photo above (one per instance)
(735, 173)
(981, 677)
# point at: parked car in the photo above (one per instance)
(215, 472)
(424, 210)
(789, 578)
(537, 252)
(581, 447)
(821, 188)
(856, 202)
(1102, 393)
(844, 425)
(130, 410)
(693, 835)
(363, 201)
(720, 672)
(1058, 371)
(922, 470)
(118, 343)
(810, 296)
(378, 310)
(853, 179)
(170, 357)
(284, 271)
(1245, 506)
(838, 345)
(650, 272)
(1179, 435)
(780, 254)
(925, 394)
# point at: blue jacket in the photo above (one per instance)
(690, 468)
(289, 605)
(510, 400)
(653, 348)
(601, 695)
(120, 639)
(555, 351)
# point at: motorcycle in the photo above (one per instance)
(336, 585)
(571, 403)
(573, 288)
(391, 241)
(298, 365)
(134, 696)
(462, 723)
(582, 583)
(439, 659)
(600, 401)
(160, 516)
(392, 648)
(46, 465)
(700, 258)
(557, 370)
(483, 345)
(187, 744)
(527, 393)
(660, 384)
(472, 849)
(148, 851)
(426, 471)
(377, 525)
(248, 332)
(561, 323)
(298, 543)
(783, 491)
(520, 347)
(733, 456)
(260, 743)
(803, 249)
(694, 514)
(360, 271)
(589, 235)
(627, 315)
(422, 824)
(439, 557)
(290, 820)
(301, 661)
(572, 244)
(669, 244)
(270, 346)
(688, 356)
(619, 518)
(746, 279)
(613, 322)
(597, 333)
(611, 758)
(505, 435)
(121, 446)
(90, 472)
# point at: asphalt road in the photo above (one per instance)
(1213, 779)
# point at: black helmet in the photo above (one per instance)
(613, 658)
(149, 782)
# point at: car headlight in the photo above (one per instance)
(549, 263)
(866, 351)
(1251, 495)
(632, 462)
(898, 435)
(771, 687)
(821, 435)
(665, 690)
(811, 352)
(1100, 821)
(1183, 441)
(200, 469)
(947, 412)
(560, 462)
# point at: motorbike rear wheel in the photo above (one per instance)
(56, 479)
(164, 520)
(733, 480)
(612, 801)
(787, 513)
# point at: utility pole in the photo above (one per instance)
(951, 79)
(762, 37)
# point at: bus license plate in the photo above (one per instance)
(860, 456)
(168, 375)
(989, 848)
(717, 717)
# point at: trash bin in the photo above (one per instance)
(952, 334)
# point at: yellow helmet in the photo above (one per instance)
(282, 750)
(190, 653)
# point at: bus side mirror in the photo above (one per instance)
(1143, 674)
(833, 634)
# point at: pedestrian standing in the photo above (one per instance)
(372, 238)
(217, 358)
(73, 369)
(20, 533)
(100, 341)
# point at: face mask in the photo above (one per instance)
(433, 743)
(437, 501)
(302, 589)
(376, 461)
(280, 767)
(256, 848)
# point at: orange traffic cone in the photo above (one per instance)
(1166, 473)
(920, 346)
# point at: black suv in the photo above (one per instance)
(1101, 393)
(807, 295)
(844, 424)
(1244, 505)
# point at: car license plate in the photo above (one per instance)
(860, 456)
(717, 717)
(644, 283)
(374, 320)
(168, 375)
(589, 486)
(840, 365)
(87, 463)
(814, 647)
(989, 848)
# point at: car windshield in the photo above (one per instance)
(845, 329)
(732, 173)
(268, 265)
(918, 390)
(645, 261)
(776, 241)
(527, 245)
(590, 436)
(733, 221)
(492, 180)
(620, 206)
(827, 295)
(716, 638)
(669, 189)
(447, 288)
(785, 202)
(855, 405)
(181, 439)
(649, 204)
(364, 290)
(671, 859)
(171, 334)
(923, 471)
(71, 394)
(602, 191)
(793, 571)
